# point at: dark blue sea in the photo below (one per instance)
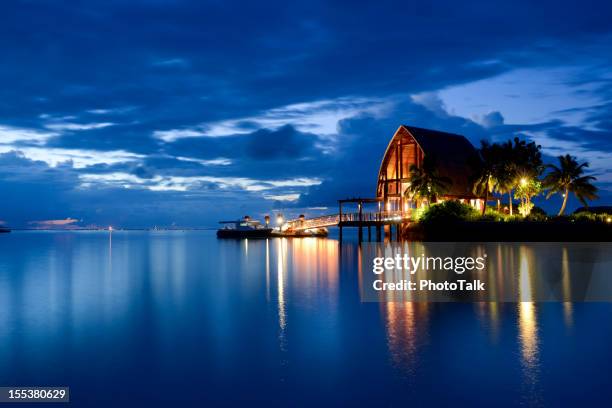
(172, 318)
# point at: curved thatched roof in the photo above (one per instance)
(453, 154)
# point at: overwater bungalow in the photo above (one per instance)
(410, 145)
(454, 156)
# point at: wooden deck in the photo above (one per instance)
(360, 220)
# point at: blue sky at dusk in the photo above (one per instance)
(158, 113)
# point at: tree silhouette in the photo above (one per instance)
(568, 177)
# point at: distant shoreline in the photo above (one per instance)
(114, 229)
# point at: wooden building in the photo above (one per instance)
(409, 145)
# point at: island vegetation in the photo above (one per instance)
(511, 174)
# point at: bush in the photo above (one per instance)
(586, 216)
(514, 218)
(536, 217)
(449, 211)
(583, 216)
(538, 211)
(417, 213)
(492, 215)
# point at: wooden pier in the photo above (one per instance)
(388, 223)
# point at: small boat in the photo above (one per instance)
(244, 228)
(4, 230)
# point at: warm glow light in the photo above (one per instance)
(279, 219)
(523, 181)
(388, 206)
(608, 219)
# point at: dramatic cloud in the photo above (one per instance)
(153, 113)
(319, 117)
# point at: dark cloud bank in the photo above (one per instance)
(104, 77)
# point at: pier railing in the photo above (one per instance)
(354, 217)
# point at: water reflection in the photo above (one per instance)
(280, 278)
(529, 343)
(406, 326)
(567, 290)
(253, 312)
(528, 326)
(268, 270)
(524, 273)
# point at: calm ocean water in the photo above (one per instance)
(184, 319)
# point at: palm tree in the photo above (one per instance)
(518, 160)
(505, 172)
(485, 181)
(568, 177)
(426, 182)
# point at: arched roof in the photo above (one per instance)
(453, 154)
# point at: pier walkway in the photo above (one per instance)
(377, 219)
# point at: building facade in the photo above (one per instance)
(410, 145)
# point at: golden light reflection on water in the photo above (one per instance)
(406, 326)
(307, 270)
(525, 274)
(316, 265)
(568, 308)
(518, 270)
(280, 283)
(528, 335)
(268, 270)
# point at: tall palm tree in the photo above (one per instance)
(505, 171)
(568, 177)
(485, 181)
(426, 181)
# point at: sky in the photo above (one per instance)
(184, 113)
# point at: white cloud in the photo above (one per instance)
(80, 158)
(432, 101)
(219, 161)
(283, 197)
(71, 126)
(176, 134)
(100, 111)
(319, 117)
(9, 134)
(186, 183)
(106, 111)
